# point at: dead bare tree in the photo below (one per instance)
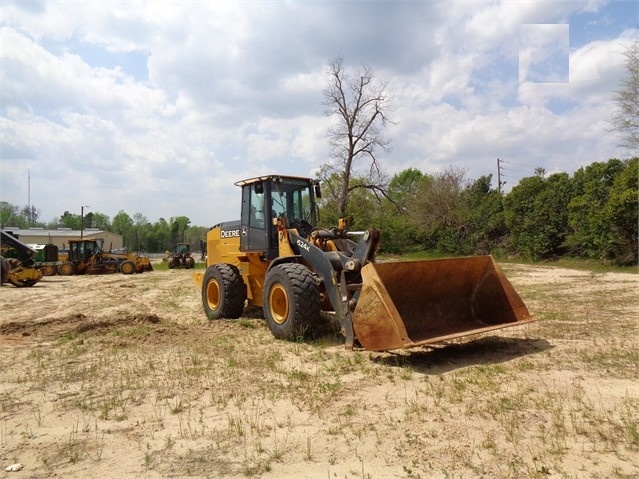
(361, 105)
(626, 119)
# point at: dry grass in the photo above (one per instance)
(123, 376)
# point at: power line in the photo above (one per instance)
(520, 164)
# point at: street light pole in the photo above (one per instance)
(82, 220)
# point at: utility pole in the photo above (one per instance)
(29, 196)
(82, 220)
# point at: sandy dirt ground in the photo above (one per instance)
(123, 376)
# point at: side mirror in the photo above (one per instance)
(318, 190)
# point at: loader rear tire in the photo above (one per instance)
(223, 292)
(291, 301)
(66, 269)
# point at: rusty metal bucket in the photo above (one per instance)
(415, 303)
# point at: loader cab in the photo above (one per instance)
(267, 198)
(182, 248)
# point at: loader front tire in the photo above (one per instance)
(49, 270)
(128, 267)
(291, 301)
(223, 292)
(4, 270)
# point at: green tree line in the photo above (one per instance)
(591, 214)
(138, 233)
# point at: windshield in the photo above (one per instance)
(291, 198)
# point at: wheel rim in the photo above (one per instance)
(278, 303)
(127, 268)
(213, 294)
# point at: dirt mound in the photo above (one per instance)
(106, 323)
(76, 323)
(31, 327)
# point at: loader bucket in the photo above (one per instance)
(415, 303)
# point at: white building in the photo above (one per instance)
(61, 236)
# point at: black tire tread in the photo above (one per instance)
(233, 291)
(304, 300)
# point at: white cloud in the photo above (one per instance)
(543, 53)
(228, 90)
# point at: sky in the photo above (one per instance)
(158, 108)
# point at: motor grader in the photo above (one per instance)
(276, 258)
(86, 256)
(17, 262)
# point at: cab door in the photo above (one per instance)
(253, 229)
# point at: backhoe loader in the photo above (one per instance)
(275, 257)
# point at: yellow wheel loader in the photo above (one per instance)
(275, 258)
(181, 257)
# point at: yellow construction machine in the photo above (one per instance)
(181, 257)
(276, 258)
(17, 262)
(86, 256)
(47, 258)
